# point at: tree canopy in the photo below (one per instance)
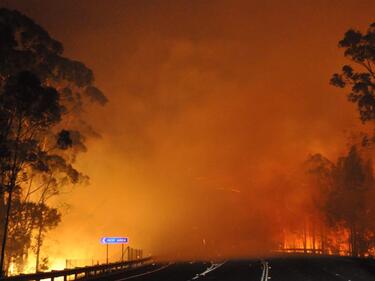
(360, 77)
(42, 95)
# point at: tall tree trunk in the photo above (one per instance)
(5, 234)
(12, 185)
(322, 239)
(2, 211)
(350, 244)
(313, 236)
(355, 241)
(304, 237)
(38, 244)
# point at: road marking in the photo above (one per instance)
(142, 274)
(265, 271)
(213, 267)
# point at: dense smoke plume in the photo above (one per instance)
(213, 107)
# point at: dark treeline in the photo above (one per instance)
(351, 201)
(42, 95)
(339, 210)
(340, 207)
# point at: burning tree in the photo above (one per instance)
(346, 205)
(42, 94)
(338, 209)
(318, 171)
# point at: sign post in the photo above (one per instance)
(122, 252)
(115, 240)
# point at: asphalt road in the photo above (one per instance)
(281, 268)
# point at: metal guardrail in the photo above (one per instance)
(301, 250)
(316, 251)
(79, 273)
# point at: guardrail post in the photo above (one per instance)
(82, 271)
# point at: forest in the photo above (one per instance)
(43, 129)
(42, 96)
(340, 206)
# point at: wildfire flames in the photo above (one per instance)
(222, 135)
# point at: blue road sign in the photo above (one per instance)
(114, 240)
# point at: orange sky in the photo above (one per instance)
(210, 102)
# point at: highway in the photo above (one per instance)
(290, 268)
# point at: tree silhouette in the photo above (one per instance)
(360, 49)
(42, 94)
(318, 171)
(30, 109)
(346, 206)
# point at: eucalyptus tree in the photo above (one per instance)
(353, 182)
(42, 95)
(359, 76)
(318, 172)
(353, 176)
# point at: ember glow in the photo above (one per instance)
(213, 107)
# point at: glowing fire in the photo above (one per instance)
(11, 270)
(334, 243)
(58, 264)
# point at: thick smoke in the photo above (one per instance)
(213, 106)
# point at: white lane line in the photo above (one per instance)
(142, 274)
(265, 271)
(213, 267)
